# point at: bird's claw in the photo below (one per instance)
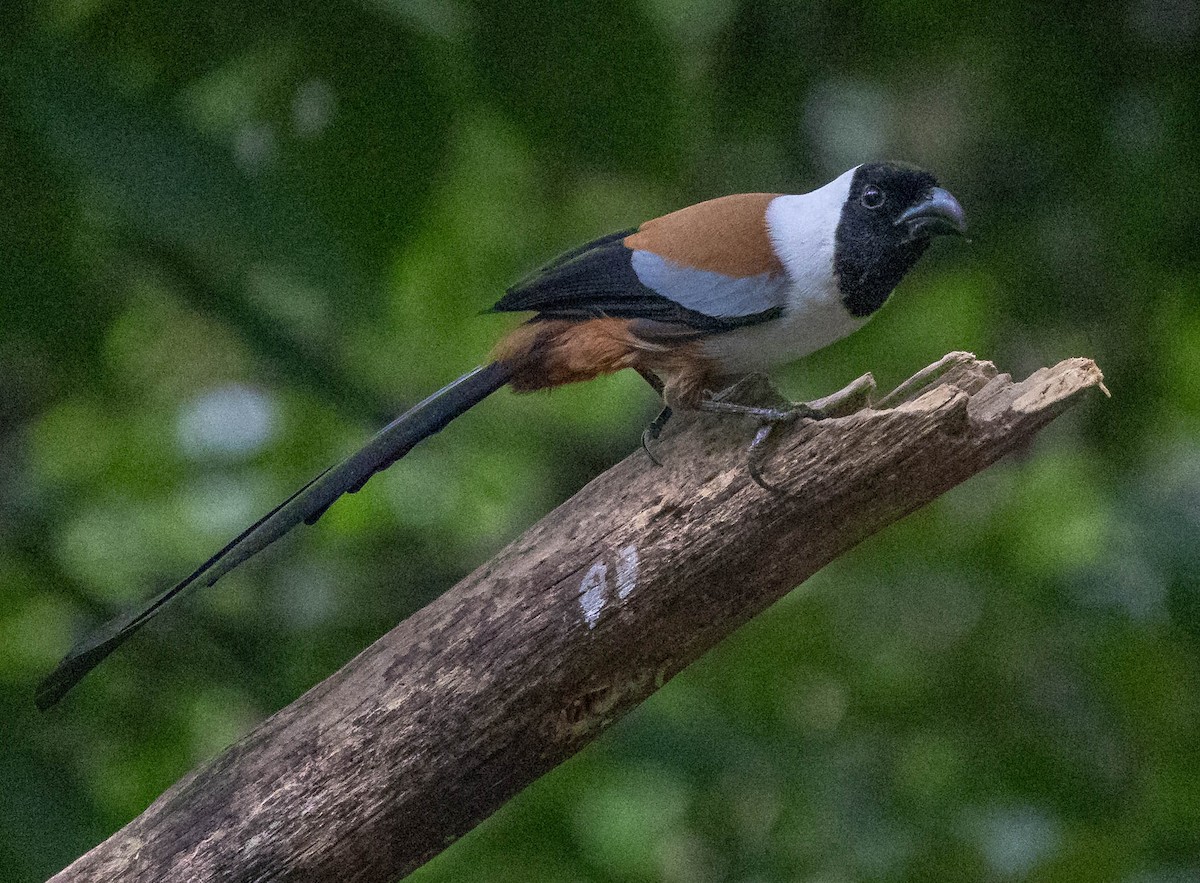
(653, 431)
(756, 453)
(650, 434)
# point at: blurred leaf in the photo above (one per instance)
(42, 299)
(161, 178)
(344, 103)
(591, 83)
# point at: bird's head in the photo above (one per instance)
(890, 213)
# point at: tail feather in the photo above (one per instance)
(305, 506)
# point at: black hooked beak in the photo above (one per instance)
(936, 213)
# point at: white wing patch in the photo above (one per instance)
(707, 292)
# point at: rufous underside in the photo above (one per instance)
(557, 352)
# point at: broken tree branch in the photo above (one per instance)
(428, 731)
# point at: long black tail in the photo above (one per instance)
(305, 505)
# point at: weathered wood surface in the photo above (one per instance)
(374, 771)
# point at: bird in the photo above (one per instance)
(724, 288)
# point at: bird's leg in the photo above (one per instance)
(715, 405)
(845, 401)
(769, 418)
(653, 379)
(850, 399)
(654, 430)
(754, 456)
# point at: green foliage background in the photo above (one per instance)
(235, 237)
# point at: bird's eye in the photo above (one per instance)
(873, 197)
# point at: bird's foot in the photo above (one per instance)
(768, 418)
(717, 405)
(858, 395)
(654, 430)
(757, 452)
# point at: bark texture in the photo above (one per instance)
(429, 730)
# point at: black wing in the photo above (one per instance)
(596, 280)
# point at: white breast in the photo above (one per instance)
(811, 321)
(802, 229)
